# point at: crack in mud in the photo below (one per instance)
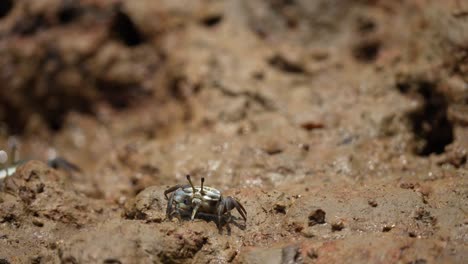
(255, 97)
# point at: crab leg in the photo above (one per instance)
(173, 188)
(170, 203)
(13, 145)
(61, 163)
(239, 208)
(229, 203)
(221, 210)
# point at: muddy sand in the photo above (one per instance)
(340, 126)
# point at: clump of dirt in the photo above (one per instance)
(340, 126)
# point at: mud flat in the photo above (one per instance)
(341, 126)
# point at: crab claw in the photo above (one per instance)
(195, 209)
(229, 203)
(61, 163)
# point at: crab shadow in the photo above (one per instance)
(226, 221)
(236, 221)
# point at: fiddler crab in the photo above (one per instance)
(9, 165)
(190, 200)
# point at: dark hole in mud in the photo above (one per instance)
(429, 122)
(112, 261)
(55, 124)
(373, 203)
(5, 7)
(30, 25)
(335, 227)
(367, 51)
(15, 123)
(37, 260)
(282, 3)
(178, 87)
(292, 23)
(211, 21)
(412, 234)
(69, 12)
(258, 75)
(280, 208)
(4, 261)
(9, 218)
(317, 217)
(55, 116)
(418, 261)
(40, 188)
(365, 25)
(126, 31)
(70, 259)
(122, 96)
(311, 125)
(386, 229)
(47, 108)
(37, 223)
(282, 64)
(134, 181)
(425, 216)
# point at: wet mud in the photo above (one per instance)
(340, 126)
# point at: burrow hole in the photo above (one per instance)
(5, 7)
(429, 121)
(367, 51)
(213, 20)
(125, 30)
(69, 12)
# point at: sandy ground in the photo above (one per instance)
(341, 126)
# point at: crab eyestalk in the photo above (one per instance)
(3, 160)
(13, 145)
(201, 188)
(191, 184)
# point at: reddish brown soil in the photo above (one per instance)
(341, 126)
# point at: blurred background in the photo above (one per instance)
(84, 79)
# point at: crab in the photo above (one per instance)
(190, 200)
(8, 165)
